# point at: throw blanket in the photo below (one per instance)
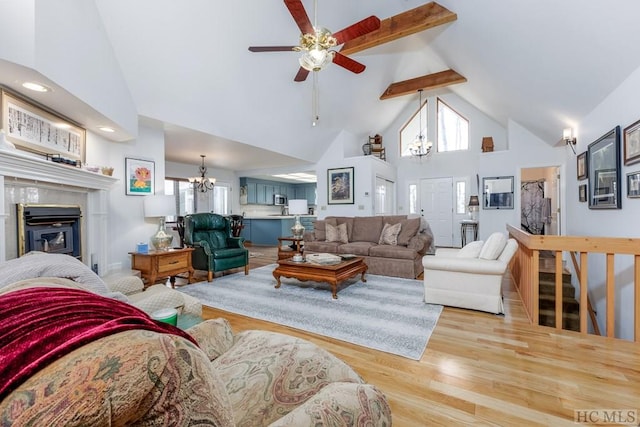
(40, 325)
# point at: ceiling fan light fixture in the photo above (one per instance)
(316, 59)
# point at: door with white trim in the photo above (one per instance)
(436, 206)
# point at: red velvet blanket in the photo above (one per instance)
(40, 325)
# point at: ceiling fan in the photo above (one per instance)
(316, 42)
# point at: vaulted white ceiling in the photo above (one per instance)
(542, 63)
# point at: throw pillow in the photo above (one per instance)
(493, 247)
(408, 229)
(336, 233)
(319, 230)
(471, 250)
(389, 235)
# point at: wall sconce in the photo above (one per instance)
(569, 139)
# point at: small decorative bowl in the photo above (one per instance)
(107, 171)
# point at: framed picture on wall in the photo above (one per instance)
(633, 185)
(582, 192)
(140, 176)
(604, 171)
(497, 192)
(340, 186)
(34, 129)
(581, 166)
(632, 144)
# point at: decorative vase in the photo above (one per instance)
(161, 240)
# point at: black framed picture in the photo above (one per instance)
(603, 161)
(632, 144)
(497, 192)
(581, 166)
(340, 186)
(582, 192)
(633, 185)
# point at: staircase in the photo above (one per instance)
(547, 301)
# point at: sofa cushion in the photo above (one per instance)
(470, 250)
(336, 233)
(321, 246)
(388, 251)
(389, 234)
(356, 248)
(319, 229)
(409, 228)
(493, 247)
(366, 229)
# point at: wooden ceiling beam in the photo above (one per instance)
(427, 82)
(412, 21)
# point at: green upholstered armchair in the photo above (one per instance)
(215, 249)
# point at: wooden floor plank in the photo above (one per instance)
(486, 369)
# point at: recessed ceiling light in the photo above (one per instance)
(37, 87)
(106, 129)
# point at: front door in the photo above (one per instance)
(436, 205)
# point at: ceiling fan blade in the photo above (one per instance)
(296, 8)
(358, 29)
(348, 63)
(302, 75)
(271, 48)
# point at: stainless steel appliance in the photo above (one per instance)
(279, 200)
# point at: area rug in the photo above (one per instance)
(385, 313)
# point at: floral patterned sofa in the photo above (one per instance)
(143, 377)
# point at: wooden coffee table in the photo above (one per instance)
(332, 274)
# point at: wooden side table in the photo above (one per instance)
(284, 247)
(161, 264)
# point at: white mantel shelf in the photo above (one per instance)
(14, 163)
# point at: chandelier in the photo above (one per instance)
(202, 183)
(419, 147)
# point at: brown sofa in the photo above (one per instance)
(403, 259)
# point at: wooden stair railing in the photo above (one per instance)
(526, 265)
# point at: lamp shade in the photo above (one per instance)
(159, 206)
(298, 207)
(473, 201)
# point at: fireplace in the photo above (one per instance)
(49, 228)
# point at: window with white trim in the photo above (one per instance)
(453, 129)
(411, 130)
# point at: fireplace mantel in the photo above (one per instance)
(16, 164)
(20, 165)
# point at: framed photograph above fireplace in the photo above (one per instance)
(34, 129)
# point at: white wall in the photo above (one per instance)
(66, 42)
(345, 152)
(619, 108)
(127, 225)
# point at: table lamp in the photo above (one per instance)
(298, 207)
(474, 205)
(160, 207)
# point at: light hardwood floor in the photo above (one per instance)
(483, 369)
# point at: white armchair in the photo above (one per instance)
(470, 277)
